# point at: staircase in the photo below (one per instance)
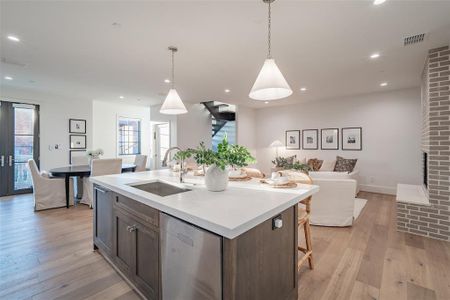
(223, 121)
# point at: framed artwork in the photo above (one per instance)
(77, 141)
(329, 139)
(352, 138)
(74, 154)
(310, 139)
(292, 139)
(77, 126)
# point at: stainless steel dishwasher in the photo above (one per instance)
(191, 263)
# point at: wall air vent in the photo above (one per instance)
(413, 39)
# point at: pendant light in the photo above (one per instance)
(270, 83)
(173, 104)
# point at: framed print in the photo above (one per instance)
(77, 141)
(77, 126)
(352, 138)
(310, 139)
(292, 139)
(329, 139)
(76, 155)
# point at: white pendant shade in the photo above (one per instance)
(173, 104)
(270, 83)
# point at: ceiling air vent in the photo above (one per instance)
(414, 39)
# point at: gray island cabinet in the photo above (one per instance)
(165, 255)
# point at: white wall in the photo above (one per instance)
(194, 127)
(246, 128)
(105, 117)
(391, 128)
(55, 112)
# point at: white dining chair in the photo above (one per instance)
(99, 167)
(140, 161)
(48, 192)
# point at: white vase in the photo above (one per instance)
(216, 179)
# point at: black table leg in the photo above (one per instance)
(67, 190)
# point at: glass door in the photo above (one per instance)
(20, 140)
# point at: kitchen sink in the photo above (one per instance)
(160, 188)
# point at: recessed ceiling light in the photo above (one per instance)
(378, 2)
(383, 84)
(167, 80)
(375, 55)
(121, 97)
(8, 78)
(303, 89)
(227, 91)
(13, 38)
(266, 102)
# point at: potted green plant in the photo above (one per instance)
(216, 175)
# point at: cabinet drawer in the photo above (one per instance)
(142, 211)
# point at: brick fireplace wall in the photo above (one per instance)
(434, 220)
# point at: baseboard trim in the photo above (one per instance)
(378, 189)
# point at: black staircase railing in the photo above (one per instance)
(220, 118)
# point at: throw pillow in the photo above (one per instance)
(315, 164)
(328, 165)
(344, 165)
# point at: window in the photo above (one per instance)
(129, 141)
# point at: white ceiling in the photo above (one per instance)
(71, 48)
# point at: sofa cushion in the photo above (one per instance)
(328, 165)
(344, 165)
(315, 164)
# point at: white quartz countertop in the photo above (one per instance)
(242, 206)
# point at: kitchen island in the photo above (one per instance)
(180, 241)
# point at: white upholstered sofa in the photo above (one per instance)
(337, 175)
(335, 204)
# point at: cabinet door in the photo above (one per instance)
(146, 267)
(124, 227)
(103, 225)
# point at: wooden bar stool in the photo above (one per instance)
(303, 218)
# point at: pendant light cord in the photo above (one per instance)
(269, 55)
(173, 69)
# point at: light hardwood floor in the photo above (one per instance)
(48, 255)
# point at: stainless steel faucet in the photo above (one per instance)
(166, 156)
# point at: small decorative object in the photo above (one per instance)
(94, 154)
(216, 175)
(352, 138)
(77, 126)
(77, 141)
(293, 139)
(330, 138)
(310, 139)
(76, 153)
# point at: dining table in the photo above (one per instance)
(80, 171)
